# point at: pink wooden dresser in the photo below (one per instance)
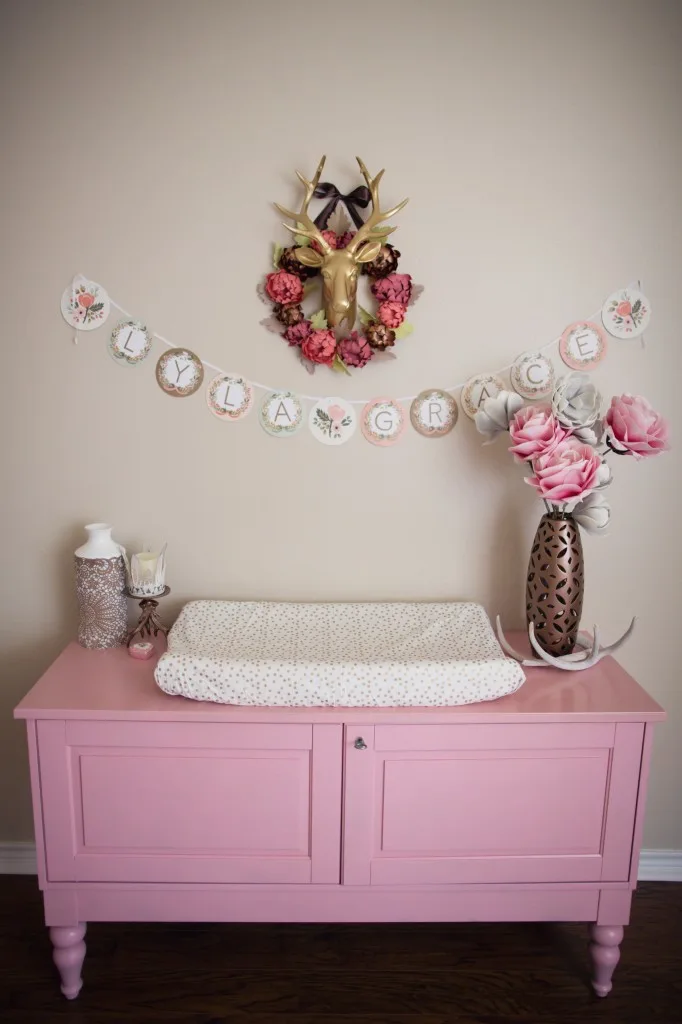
(156, 808)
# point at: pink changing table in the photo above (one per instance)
(150, 807)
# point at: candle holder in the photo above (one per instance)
(149, 621)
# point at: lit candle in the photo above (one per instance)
(147, 561)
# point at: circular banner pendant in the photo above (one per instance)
(626, 313)
(179, 372)
(433, 413)
(477, 389)
(383, 421)
(228, 397)
(85, 304)
(332, 421)
(281, 413)
(532, 375)
(130, 342)
(582, 345)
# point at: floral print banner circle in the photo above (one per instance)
(582, 345)
(332, 421)
(281, 413)
(532, 375)
(229, 397)
(383, 421)
(477, 389)
(85, 304)
(179, 372)
(433, 413)
(130, 342)
(626, 313)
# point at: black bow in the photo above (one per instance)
(360, 196)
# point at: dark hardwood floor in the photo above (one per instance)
(337, 974)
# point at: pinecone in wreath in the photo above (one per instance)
(379, 336)
(384, 263)
(289, 262)
(288, 315)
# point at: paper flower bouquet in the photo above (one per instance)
(565, 445)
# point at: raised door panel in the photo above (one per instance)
(141, 802)
(500, 803)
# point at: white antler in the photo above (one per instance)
(589, 654)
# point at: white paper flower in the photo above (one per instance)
(576, 401)
(495, 414)
(590, 434)
(604, 476)
(593, 513)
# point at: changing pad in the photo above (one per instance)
(340, 655)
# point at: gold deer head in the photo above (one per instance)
(340, 266)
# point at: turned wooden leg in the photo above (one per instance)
(605, 955)
(68, 954)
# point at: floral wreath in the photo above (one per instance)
(292, 280)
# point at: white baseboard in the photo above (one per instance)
(18, 859)
(654, 865)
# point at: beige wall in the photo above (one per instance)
(143, 142)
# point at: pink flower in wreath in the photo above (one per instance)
(391, 314)
(86, 299)
(534, 431)
(283, 287)
(355, 350)
(393, 288)
(330, 238)
(566, 473)
(320, 347)
(624, 308)
(634, 428)
(297, 334)
(343, 240)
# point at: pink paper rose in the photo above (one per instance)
(86, 300)
(391, 314)
(297, 334)
(634, 428)
(284, 288)
(343, 240)
(330, 238)
(567, 472)
(355, 350)
(393, 288)
(319, 347)
(534, 431)
(624, 308)
(337, 412)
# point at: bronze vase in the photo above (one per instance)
(554, 585)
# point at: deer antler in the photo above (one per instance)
(589, 650)
(303, 224)
(369, 231)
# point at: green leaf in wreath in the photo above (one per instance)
(319, 321)
(637, 306)
(404, 329)
(339, 365)
(365, 317)
(98, 306)
(383, 230)
(301, 239)
(277, 251)
(322, 416)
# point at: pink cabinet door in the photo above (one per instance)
(183, 802)
(489, 803)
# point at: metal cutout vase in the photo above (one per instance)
(555, 583)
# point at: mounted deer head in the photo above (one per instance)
(340, 266)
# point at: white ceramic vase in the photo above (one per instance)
(100, 586)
